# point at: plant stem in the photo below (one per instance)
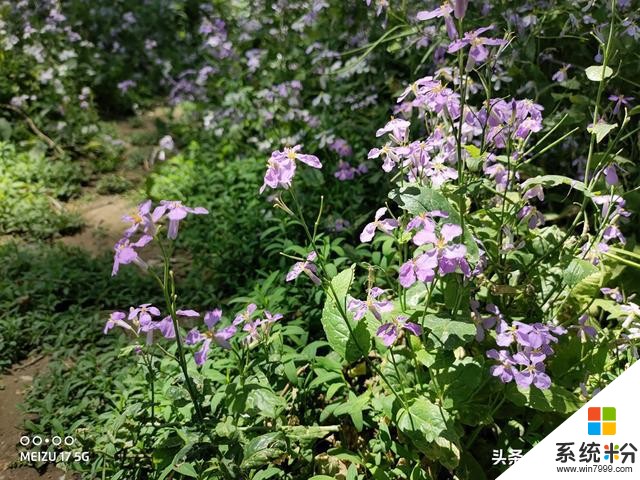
(169, 296)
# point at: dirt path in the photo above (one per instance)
(13, 386)
(102, 215)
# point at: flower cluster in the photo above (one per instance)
(530, 346)
(388, 332)
(142, 320)
(440, 253)
(281, 167)
(145, 222)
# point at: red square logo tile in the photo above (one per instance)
(594, 414)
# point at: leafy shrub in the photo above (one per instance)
(31, 186)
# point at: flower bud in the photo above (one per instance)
(460, 8)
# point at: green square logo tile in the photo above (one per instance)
(609, 414)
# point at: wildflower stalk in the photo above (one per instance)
(168, 287)
(341, 310)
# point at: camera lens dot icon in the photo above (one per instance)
(601, 421)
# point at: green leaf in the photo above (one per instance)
(264, 449)
(577, 271)
(555, 399)
(451, 333)
(349, 346)
(423, 422)
(301, 433)
(554, 180)
(601, 130)
(265, 401)
(597, 73)
(186, 469)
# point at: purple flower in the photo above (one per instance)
(282, 167)
(536, 191)
(613, 293)
(505, 370)
(397, 128)
(175, 212)
(443, 11)
(117, 318)
(449, 256)
(221, 337)
(280, 172)
(125, 85)
(125, 253)
(423, 269)
(584, 331)
(359, 308)
(341, 147)
(619, 101)
(532, 216)
(531, 374)
(478, 52)
(141, 218)
(386, 225)
(424, 223)
(307, 267)
(561, 74)
(390, 155)
(610, 175)
(143, 314)
(245, 316)
(484, 323)
(460, 8)
(389, 332)
(345, 171)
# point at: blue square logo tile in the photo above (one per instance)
(595, 428)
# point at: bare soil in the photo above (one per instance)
(13, 387)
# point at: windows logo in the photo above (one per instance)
(602, 420)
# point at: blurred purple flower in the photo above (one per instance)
(307, 267)
(478, 51)
(175, 212)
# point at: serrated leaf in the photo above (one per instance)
(597, 73)
(349, 346)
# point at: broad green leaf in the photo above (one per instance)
(349, 346)
(597, 73)
(577, 271)
(301, 433)
(186, 469)
(451, 333)
(555, 399)
(423, 422)
(264, 449)
(601, 130)
(265, 401)
(417, 199)
(554, 180)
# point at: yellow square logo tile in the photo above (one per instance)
(608, 428)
